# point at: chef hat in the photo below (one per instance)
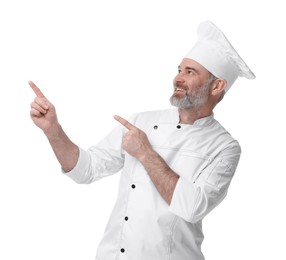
(214, 52)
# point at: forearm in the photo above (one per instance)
(65, 150)
(163, 177)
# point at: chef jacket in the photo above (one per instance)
(142, 225)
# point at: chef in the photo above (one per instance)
(176, 165)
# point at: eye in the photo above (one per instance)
(190, 71)
(179, 71)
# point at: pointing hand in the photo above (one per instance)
(135, 141)
(42, 112)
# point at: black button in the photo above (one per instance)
(126, 218)
(178, 126)
(122, 250)
(133, 186)
(155, 127)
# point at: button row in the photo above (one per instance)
(122, 250)
(156, 127)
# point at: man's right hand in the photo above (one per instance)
(43, 112)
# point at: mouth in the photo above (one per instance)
(179, 90)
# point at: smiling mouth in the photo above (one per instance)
(179, 90)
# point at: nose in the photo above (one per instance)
(179, 78)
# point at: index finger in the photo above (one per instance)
(124, 122)
(37, 91)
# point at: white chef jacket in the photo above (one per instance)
(142, 225)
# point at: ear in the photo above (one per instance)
(218, 87)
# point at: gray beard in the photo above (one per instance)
(192, 100)
(183, 102)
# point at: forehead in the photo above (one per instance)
(189, 63)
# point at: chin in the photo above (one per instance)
(183, 103)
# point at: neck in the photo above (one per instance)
(190, 115)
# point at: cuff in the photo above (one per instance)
(77, 172)
(184, 200)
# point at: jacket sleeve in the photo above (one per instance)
(194, 198)
(101, 160)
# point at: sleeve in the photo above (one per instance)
(195, 197)
(104, 159)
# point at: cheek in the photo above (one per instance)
(192, 89)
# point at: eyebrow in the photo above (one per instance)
(189, 68)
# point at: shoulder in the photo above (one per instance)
(229, 142)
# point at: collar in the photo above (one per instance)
(205, 121)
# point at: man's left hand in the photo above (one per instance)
(135, 141)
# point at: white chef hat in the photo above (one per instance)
(214, 52)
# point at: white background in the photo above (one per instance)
(94, 59)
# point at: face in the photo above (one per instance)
(191, 85)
